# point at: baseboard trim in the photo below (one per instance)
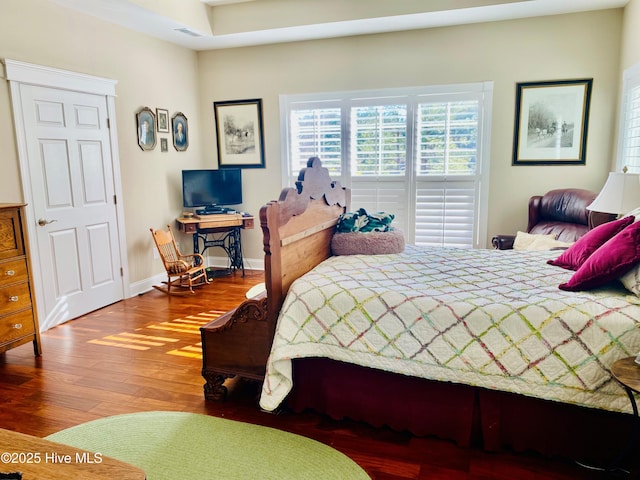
(146, 285)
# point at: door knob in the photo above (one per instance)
(42, 222)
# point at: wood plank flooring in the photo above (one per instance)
(143, 354)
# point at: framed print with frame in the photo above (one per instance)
(146, 128)
(551, 122)
(162, 117)
(239, 133)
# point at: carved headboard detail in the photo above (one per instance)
(297, 228)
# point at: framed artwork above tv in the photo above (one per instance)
(239, 133)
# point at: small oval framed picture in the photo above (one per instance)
(146, 120)
(180, 130)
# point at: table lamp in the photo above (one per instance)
(620, 194)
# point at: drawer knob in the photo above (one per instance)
(13, 298)
(17, 326)
(10, 273)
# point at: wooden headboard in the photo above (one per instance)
(297, 230)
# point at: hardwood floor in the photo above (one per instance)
(143, 354)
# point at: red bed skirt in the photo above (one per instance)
(469, 416)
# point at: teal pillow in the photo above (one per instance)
(352, 221)
(378, 222)
(361, 221)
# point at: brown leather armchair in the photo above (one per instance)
(562, 212)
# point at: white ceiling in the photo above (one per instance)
(215, 24)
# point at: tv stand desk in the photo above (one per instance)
(218, 230)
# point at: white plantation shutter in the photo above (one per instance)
(445, 213)
(378, 160)
(629, 149)
(415, 153)
(382, 195)
(378, 140)
(316, 133)
(448, 137)
(447, 183)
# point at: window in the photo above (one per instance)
(417, 153)
(317, 132)
(629, 142)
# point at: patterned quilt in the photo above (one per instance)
(488, 318)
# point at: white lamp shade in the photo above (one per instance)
(620, 194)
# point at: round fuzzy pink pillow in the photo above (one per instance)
(367, 243)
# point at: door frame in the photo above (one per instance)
(18, 73)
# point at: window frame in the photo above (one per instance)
(630, 82)
(413, 96)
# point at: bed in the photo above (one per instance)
(476, 346)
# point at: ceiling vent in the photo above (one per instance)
(186, 31)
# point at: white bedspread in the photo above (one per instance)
(494, 319)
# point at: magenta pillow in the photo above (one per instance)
(612, 260)
(577, 254)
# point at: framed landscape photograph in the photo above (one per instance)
(146, 128)
(180, 131)
(551, 122)
(162, 117)
(239, 133)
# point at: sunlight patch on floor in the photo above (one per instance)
(140, 341)
(176, 327)
(193, 351)
(117, 344)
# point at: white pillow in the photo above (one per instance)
(634, 213)
(631, 280)
(528, 241)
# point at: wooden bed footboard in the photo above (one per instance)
(237, 343)
(297, 230)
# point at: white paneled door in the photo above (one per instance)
(68, 151)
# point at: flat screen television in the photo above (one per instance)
(211, 188)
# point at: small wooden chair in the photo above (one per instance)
(185, 271)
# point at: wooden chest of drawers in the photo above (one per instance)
(18, 318)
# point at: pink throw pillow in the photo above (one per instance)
(612, 260)
(579, 252)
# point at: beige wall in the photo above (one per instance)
(631, 35)
(157, 74)
(550, 48)
(149, 73)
